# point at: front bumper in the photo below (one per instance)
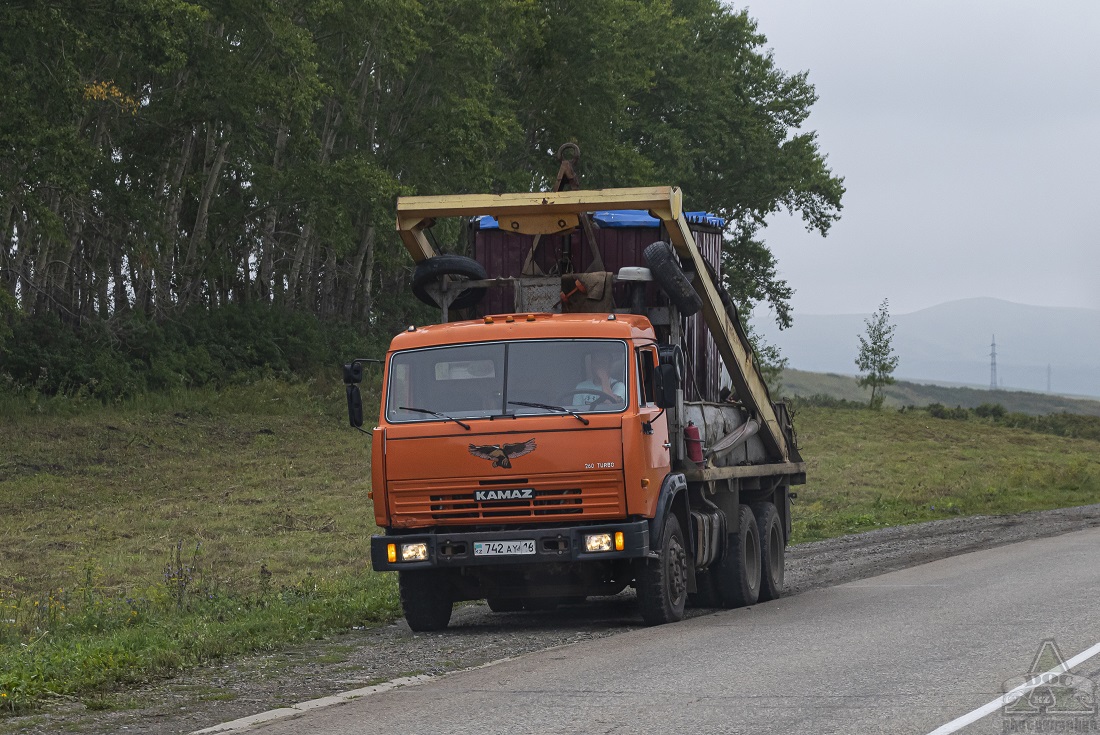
(555, 544)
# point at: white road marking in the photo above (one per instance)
(246, 723)
(1014, 694)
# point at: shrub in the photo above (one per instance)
(990, 411)
(940, 411)
(821, 400)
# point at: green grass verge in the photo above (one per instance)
(146, 537)
(870, 469)
(142, 538)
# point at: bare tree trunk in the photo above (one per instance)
(8, 275)
(328, 285)
(141, 279)
(103, 283)
(19, 267)
(65, 293)
(356, 276)
(198, 232)
(308, 285)
(268, 244)
(39, 270)
(165, 266)
(122, 301)
(304, 242)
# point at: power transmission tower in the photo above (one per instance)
(993, 365)
(1048, 377)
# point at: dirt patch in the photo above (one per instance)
(257, 683)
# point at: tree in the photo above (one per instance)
(163, 157)
(876, 359)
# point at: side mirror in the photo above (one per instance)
(353, 372)
(667, 380)
(355, 404)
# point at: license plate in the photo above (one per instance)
(503, 548)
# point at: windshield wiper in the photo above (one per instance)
(435, 413)
(548, 407)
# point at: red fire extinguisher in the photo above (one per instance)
(694, 443)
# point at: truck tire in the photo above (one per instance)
(663, 582)
(772, 550)
(737, 574)
(426, 598)
(670, 277)
(460, 268)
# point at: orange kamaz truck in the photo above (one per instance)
(586, 417)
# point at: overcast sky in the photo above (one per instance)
(968, 135)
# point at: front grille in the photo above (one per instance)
(546, 503)
(595, 495)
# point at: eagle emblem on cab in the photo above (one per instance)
(501, 455)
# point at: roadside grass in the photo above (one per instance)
(869, 469)
(140, 539)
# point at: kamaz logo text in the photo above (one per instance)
(519, 494)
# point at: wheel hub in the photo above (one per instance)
(677, 572)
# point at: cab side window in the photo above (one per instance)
(647, 360)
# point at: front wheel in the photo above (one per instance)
(426, 598)
(663, 582)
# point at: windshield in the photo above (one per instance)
(490, 379)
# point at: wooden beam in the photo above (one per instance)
(732, 343)
(413, 210)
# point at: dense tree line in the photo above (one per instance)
(162, 157)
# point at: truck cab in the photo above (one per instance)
(512, 447)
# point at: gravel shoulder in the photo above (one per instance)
(257, 683)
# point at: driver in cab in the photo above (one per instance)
(602, 386)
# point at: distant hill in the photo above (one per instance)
(950, 343)
(905, 393)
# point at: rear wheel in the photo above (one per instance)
(426, 598)
(772, 550)
(737, 574)
(663, 582)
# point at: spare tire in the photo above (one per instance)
(670, 277)
(460, 268)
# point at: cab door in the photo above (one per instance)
(649, 432)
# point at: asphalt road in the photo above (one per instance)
(905, 652)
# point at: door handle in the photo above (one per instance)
(666, 445)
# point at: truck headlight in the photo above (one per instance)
(414, 552)
(597, 542)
